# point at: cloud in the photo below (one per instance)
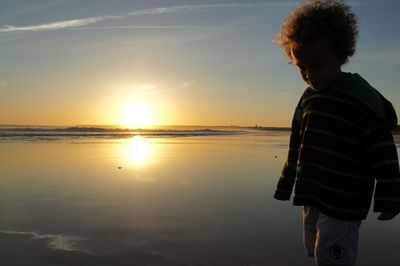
(193, 8)
(187, 84)
(53, 25)
(285, 94)
(75, 23)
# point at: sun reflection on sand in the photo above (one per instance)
(137, 150)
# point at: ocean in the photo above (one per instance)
(169, 196)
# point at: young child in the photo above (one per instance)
(341, 139)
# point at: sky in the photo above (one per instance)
(168, 62)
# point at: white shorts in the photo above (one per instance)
(329, 240)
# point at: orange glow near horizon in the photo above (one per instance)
(140, 110)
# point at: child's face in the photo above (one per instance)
(318, 66)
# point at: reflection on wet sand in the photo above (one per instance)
(137, 150)
(164, 201)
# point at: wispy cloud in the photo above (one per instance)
(196, 8)
(53, 25)
(284, 94)
(75, 23)
(187, 84)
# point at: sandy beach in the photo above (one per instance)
(203, 200)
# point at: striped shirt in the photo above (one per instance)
(342, 150)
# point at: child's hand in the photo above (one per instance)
(384, 216)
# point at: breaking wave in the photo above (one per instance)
(21, 133)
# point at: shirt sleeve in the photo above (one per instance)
(381, 154)
(286, 181)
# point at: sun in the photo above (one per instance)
(136, 115)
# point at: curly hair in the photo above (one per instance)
(330, 20)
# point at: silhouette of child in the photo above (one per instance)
(341, 140)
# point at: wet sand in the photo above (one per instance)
(159, 201)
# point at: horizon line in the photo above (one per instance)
(143, 127)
